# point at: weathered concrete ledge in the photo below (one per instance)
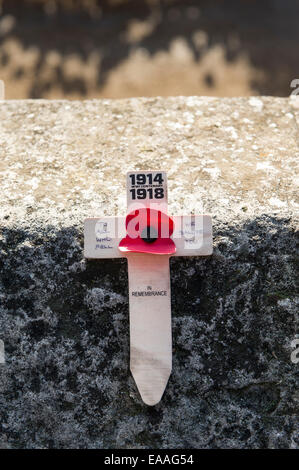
(64, 321)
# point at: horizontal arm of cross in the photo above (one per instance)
(192, 236)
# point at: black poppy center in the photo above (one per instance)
(149, 234)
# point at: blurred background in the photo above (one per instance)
(80, 49)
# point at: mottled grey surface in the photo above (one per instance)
(64, 321)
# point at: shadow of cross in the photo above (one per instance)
(147, 237)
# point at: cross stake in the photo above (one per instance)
(147, 237)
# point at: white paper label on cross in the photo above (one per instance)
(149, 274)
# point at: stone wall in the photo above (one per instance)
(64, 321)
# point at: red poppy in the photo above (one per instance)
(148, 231)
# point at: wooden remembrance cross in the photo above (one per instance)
(147, 237)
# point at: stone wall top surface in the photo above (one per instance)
(60, 157)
